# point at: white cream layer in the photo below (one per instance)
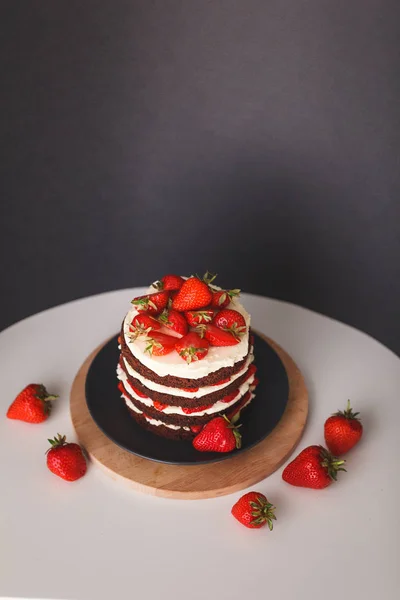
(158, 423)
(172, 364)
(203, 391)
(176, 410)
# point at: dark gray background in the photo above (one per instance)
(257, 138)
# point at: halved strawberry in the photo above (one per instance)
(236, 410)
(169, 283)
(196, 428)
(138, 392)
(194, 294)
(121, 387)
(159, 405)
(189, 411)
(160, 344)
(192, 347)
(222, 298)
(230, 397)
(216, 336)
(198, 317)
(151, 303)
(141, 325)
(251, 371)
(174, 320)
(230, 320)
(192, 390)
(226, 380)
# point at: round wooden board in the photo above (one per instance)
(195, 481)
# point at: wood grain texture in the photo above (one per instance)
(195, 481)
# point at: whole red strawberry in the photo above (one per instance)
(160, 344)
(218, 435)
(151, 303)
(169, 283)
(142, 324)
(32, 405)
(222, 298)
(254, 511)
(66, 460)
(193, 294)
(314, 467)
(217, 336)
(198, 317)
(174, 320)
(230, 320)
(343, 430)
(192, 347)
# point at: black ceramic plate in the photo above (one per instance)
(109, 412)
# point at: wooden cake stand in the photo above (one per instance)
(194, 481)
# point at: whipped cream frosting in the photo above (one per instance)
(176, 410)
(172, 364)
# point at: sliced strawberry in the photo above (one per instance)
(256, 381)
(160, 344)
(174, 320)
(138, 392)
(222, 298)
(142, 324)
(169, 283)
(230, 320)
(192, 390)
(151, 303)
(236, 410)
(198, 317)
(121, 387)
(189, 411)
(230, 397)
(226, 380)
(196, 428)
(216, 336)
(159, 405)
(192, 347)
(251, 371)
(194, 294)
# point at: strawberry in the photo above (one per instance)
(192, 390)
(218, 435)
(192, 347)
(66, 459)
(151, 303)
(226, 380)
(138, 392)
(193, 294)
(189, 411)
(314, 467)
(250, 371)
(343, 430)
(159, 405)
(169, 283)
(32, 405)
(198, 317)
(174, 320)
(216, 336)
(230, 397)
(230, 320)
(160, 344)
(221, 298)
(196, 428)
(234, 414)
(254, 511)
(141, 325)
(121, 387)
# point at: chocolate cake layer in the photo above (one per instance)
(181, 420)
(172, 434)
(183, 400)
(179, 382)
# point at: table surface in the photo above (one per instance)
(96, 539)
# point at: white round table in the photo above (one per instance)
(96, 539)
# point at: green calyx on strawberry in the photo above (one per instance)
(253, 510)
(142, 324)
(160, 344)
(314, 468)
(59, 440)
(216, 336)
(232, 321)
(151, 303)
(174, 320)
(221, 298)
(199, 317)
(192, 347)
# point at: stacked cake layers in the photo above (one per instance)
(175, 399)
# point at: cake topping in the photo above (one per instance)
(217, 336)
(192, 347)
(199, 317)
(194, 294)
(169, 283)
(221, 298)
(232, 321)
(141, 325)
(174, 321)
(151, 303)
(160, 344)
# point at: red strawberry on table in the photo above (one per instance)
(253, 510)
(169, 283)
(343, 430)
(222, 298)
(32, 405)
(66, 460)
(230, 320)
(216, 336)
(198, 317)
(151, 303)
(160, 344)
(174, 320)
(314, 467)
(142, 324)
(194, 294)
(218, 435)
(192, 347)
